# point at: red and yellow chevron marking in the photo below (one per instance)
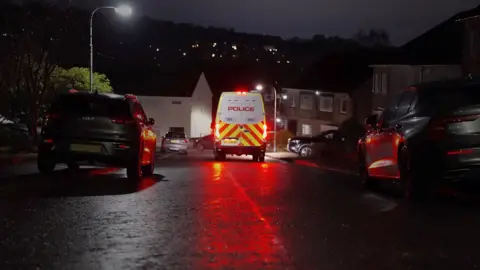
(254, 136)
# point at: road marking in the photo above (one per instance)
(276, 241)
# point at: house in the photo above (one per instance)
(470, 21)
(190, 110)
(392, 78)
(308, 112)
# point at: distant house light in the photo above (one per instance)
(184, 54)
(257, 59)
(213, 55)
(214, 44)
(234, 47)
(288, 62)
(278, 62)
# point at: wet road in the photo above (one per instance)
(199, 214)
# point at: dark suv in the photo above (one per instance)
(429, 133)
(106, 128)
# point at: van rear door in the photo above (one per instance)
(241, 120)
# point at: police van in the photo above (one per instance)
(240, 126)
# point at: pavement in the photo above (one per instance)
(195, 213)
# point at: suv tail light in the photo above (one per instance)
(437, 126)
(186, 140)
(122, 121)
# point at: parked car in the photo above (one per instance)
(302, 145)
(174, 142)
(106, 128)
(427, 134)
(15, 137)
(204, 143)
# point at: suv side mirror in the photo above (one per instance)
(151, 121)
(371, 122)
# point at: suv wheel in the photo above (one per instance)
(45, 161)
(147, 170)
(305, 151)
(366, 180)
(409, 178)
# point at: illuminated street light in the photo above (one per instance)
(122, 10)
(279, 120)
(259, 87)
(317, 93)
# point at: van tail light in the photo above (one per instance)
(437, 127)
(264, 132)
(217, 131)
(122, 121)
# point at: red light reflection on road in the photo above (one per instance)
(233, 233)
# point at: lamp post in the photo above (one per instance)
(259, 87)
(122, 10)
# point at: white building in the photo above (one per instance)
(191, 113)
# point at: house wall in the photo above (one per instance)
(398, 77)
(167, 114)
(318, 120)
(471, 47)
(201, 113)
(362, 101)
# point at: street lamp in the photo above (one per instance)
(259, 87)
(122, 10)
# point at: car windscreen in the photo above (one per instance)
(90, 105)
(175, 135)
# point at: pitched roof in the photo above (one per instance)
(343, 71)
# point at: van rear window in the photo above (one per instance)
(241, 109)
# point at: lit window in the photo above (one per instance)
(213, 55)
(234, 47)
(306, 129)
(158, 49)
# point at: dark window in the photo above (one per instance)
(403, 107)
(91, 105)
(138, 112)
(176, 102)
(175, 135)
(389, 111)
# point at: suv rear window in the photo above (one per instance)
(91, 105)
(448, 99)
(175, 135)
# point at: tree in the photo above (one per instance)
(79, 78)
(373, 38)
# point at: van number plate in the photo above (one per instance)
(230, 142)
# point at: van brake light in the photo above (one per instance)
(264, 131)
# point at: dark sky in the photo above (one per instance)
(403, 19)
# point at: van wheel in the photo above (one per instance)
(255, 157)
(261, 158)
(220, 157)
